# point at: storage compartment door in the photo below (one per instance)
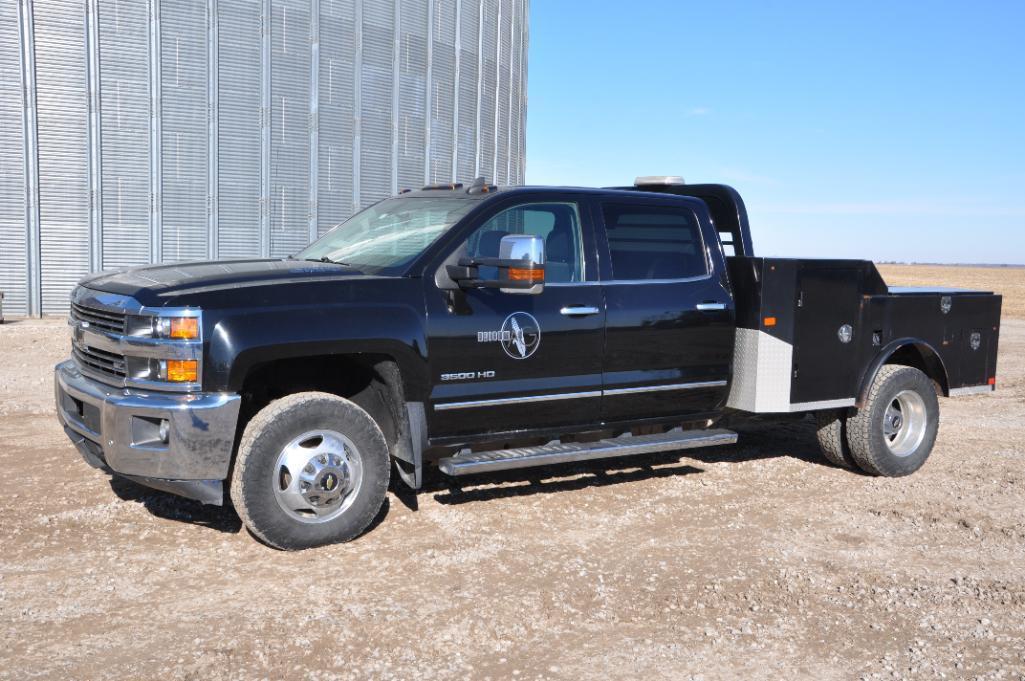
(827, 336)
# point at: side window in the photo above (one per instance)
(654, 242)
(558, 224)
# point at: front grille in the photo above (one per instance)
(106, 320)
(100, 361)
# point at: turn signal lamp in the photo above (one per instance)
(183, 370)
(526, 274)
(184, 328)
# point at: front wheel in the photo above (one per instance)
(893, 434)
(312, 469)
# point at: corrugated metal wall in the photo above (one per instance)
(13, 225)
(134, 131)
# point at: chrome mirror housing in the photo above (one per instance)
(525, 255)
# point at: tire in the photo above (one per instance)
(897, 451)
(312, 469)
(831, 431)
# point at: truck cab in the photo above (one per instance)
(633, 322)
(479, 328)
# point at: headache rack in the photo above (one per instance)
(724, 205)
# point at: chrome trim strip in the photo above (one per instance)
(515, 400)
(822, 404)
(630, 282)
(445, 406)
(711, 306)
(972, 390)
(672, 386)
(634, 282)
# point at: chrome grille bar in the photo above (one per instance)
(98, 360)
(102, 319)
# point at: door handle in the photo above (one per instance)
(578, 310)
(711, 306)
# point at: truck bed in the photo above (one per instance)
(810, 333)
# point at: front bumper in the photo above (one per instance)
(112, 429)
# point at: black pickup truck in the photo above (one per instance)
(480, 328)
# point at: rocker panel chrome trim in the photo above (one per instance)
(515, 400)
(445, 406)
(672, 386)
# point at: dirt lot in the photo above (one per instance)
(754, 561)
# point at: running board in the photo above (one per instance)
(527, 457)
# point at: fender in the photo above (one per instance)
(239, 340)
(931, 360)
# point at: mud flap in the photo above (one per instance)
(409, 452)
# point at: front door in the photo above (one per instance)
(502, 362)
(670, 319)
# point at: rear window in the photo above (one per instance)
(654, 242)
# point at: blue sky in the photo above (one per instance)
(880, 130)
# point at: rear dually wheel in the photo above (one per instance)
(894, 433)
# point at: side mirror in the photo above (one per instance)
(520, 264)
(526, 257)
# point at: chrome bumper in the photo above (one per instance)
(113, 427)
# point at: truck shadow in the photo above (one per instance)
(551, 479)
(758, 439)
(171, 507)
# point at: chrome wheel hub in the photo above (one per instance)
(904, 423)
(317, 476)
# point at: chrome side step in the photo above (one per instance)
(627, 445)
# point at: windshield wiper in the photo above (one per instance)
(324, 258)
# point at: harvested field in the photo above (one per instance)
(752, 561)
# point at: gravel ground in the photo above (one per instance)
(752, 561)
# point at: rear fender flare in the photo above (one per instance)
(932, 363)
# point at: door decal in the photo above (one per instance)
(520, 335)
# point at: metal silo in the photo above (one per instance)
(135, 131)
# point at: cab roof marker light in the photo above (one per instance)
(647, 180)
(480, 186)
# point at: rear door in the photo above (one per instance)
(670, 317)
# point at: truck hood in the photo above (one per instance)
(166, 281)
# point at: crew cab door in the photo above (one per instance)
(670, 316)
(503, 362)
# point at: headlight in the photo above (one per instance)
(185, 328)
(176, 328)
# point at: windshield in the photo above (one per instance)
(388, 235)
